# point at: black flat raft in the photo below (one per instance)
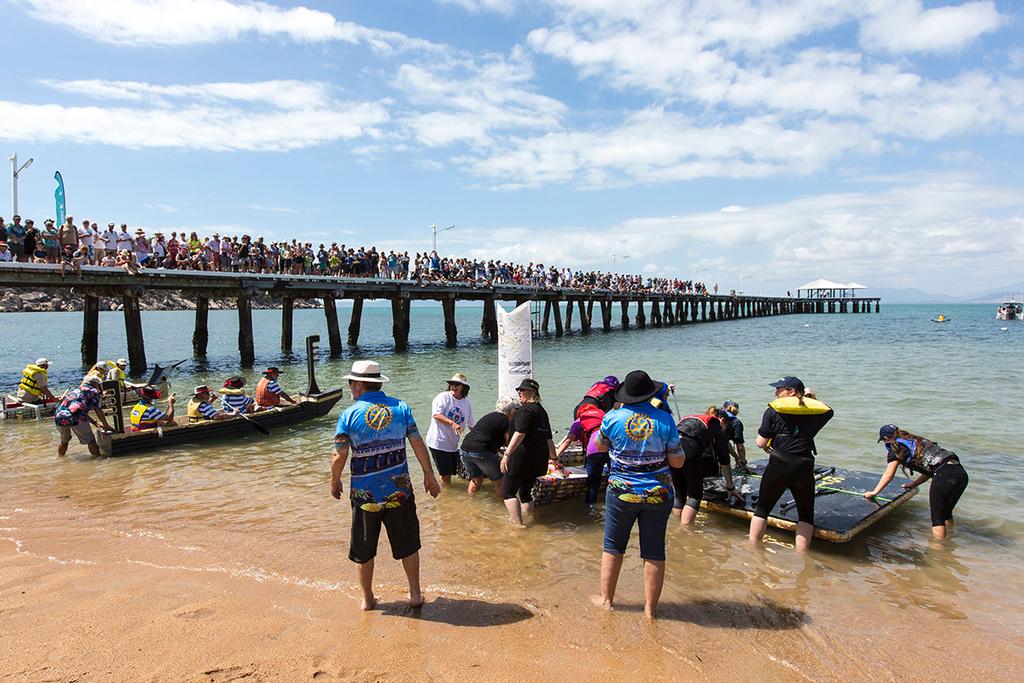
(840, 509)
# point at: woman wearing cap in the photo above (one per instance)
(528, 453)
(918, 454)
(483, 444)
(451, 414)
(729, 413)
(643, 443)
(787, 432)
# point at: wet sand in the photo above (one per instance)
(81, 601)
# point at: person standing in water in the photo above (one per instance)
(451, 415)
(918, 454)
(787, 432)
(374, 430)
(642, 443)
(528, 453)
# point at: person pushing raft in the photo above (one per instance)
(706, 447)
(787, 432)
(918, 454)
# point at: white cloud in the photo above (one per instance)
(733, 208)
(655, 146)
(276, 116)
(905, 26)
(466, 100)
(190, 22)
(921, 234)
(283, 94)
(480, 6)
(269, 208)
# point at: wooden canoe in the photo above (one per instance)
(308, 408)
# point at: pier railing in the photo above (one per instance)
(636, 309)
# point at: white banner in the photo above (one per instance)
(515, 348)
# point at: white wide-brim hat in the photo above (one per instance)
(366, 371)
(459, 378)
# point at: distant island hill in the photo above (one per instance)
(637, 309)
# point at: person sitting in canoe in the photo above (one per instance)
(925, 457)
(233, 396)
(268, 392)
(145, 415)
(201, 410)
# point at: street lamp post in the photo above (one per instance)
(15, 172)
(434, 230)
(616, 259)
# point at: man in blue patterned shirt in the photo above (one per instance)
(374, 430)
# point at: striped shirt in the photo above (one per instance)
(206, 410)
(236, 402)
(273, 387)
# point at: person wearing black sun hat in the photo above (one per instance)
(529, 451)
(642, 442)
(787, 432)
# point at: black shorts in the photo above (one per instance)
(403, 531)
(446, 462)
(948, 485)
(513, 486)
(795, 474)
(688, 480)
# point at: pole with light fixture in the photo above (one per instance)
(434, 230)
(615, 259)
(15, 172)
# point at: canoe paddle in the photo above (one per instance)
(255, 425)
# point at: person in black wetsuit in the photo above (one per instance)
(706, 446)
(915, 453)
(787, 432)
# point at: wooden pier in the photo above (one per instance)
(559, 306)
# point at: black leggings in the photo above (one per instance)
(948, 485)
(688, 480)
(797, 475)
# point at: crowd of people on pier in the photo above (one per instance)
(73, 246)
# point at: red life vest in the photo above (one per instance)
(688, 427)
(264, 398)
(600, 396)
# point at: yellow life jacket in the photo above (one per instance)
(28, 381)
(135, 419)
(193, 411)
(790, 405)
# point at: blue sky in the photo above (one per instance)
(768, 142)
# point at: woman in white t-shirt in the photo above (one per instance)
(451, 415)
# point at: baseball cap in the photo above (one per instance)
(788, 382)
(886, 430)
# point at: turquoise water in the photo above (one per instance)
(957, 383)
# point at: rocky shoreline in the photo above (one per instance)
(53, 299)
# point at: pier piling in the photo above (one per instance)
(451, 330)
(201, 332)
(356, 321)
(556, 308)
(400, 322)
(568, 316)
(246, 348)
(333, 328)
(287, 308)
(641, 316)
(624, 306)
(545, 323)
(133, 331)
(91, 330)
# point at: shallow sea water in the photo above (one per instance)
(260, 507)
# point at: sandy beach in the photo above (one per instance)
(79, 601)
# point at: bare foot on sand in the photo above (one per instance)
(599, 601)
(649, 613)
(368, 603)
(416, 600)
